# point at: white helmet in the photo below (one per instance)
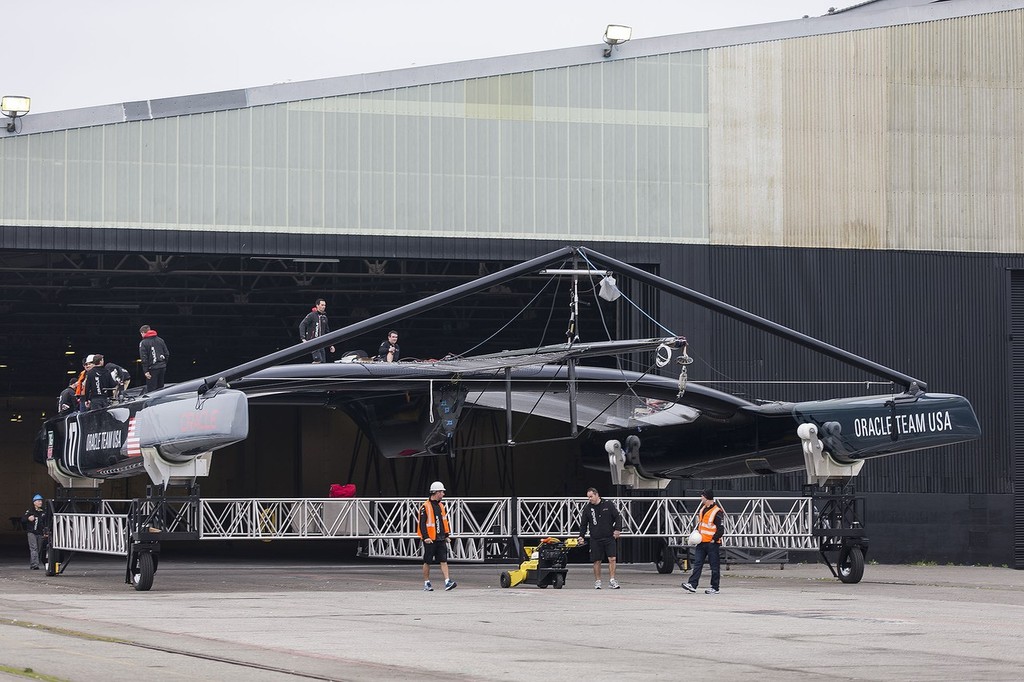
(436, 486)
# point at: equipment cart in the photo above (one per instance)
(546, 565)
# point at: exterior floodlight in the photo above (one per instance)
(14, 107)
(614, 35)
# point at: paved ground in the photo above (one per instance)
(223, 620)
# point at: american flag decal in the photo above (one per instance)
(132, 442)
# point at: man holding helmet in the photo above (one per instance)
(435, 532)
(711, 524)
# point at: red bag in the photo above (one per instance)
(338, 490)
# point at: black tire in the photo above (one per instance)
(142, 572)
(559, 581)
(506, 579)
(666, 561)
(52, 559)
(850, 566)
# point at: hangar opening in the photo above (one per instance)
(216, 312)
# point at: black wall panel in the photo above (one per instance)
(954, 321)
(1016, 400)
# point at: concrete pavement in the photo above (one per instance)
(282, 620)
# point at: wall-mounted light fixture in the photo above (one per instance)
(14, 107)
(614, 35)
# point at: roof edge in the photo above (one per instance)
(837, 22)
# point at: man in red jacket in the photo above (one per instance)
(154, 354)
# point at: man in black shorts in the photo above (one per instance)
(602, 519)
(436, 533)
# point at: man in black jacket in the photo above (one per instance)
(389, 350)
(68, 402)
(37, 522)
(313, 325)
(154, 355)
(117, 373)
(603, 521)
(99, 385)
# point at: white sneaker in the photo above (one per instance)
(597, 584)
(427, 587)
(613, 584)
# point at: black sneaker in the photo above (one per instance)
(711, 590)
(689, 588)
(450, 585)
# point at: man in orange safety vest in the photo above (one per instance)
(711, 524)
(435, 532)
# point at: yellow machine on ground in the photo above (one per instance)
(546, 565)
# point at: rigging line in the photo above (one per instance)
(526, 419)
(521, 311)
(713, 368)
(799, 382)
(267, 384)
(551, 312)
(490, 446)
(604, 323)
(618, 358)
(629, 387)
(641, 310)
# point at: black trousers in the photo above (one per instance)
(706, 551)
(156, 378)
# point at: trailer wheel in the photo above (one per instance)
(666, 561)
(142, 573)
(850, 566)
(559, 580)
(506, 579)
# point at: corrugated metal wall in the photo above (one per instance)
(1017, 417)
(904, 137)
(938, 317)
(899, 137)
(613, 151)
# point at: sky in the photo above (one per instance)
(68, 54)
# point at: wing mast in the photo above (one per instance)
(384, 319)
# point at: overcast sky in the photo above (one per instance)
(67, 54)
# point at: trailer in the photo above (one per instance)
(484, 529)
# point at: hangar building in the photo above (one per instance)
(858, 177)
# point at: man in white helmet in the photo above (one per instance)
(435, 532)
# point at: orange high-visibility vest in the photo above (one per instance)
(432, 522)
(707, 526)
(80, 386)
